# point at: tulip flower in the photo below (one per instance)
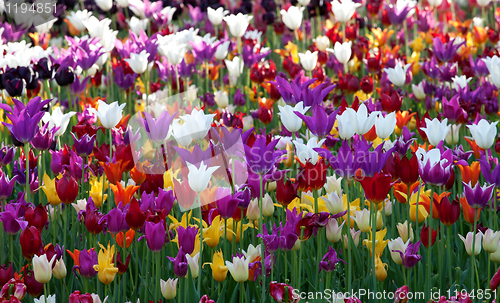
(14, 288)
(286, 192)
(478, 197)
(109, 114)
(169, 287)
(418, 91)
(289, 119)
(361, 121)
(238, 24)
(395, 246)
(491, 241)
(322, 43)
(199, 177)
(155, 235)
(219, 270)
(215, 16)
(343, 11)
(334, 230)
(354, 236)
(492, 64)
(43, 268)
(321, 123)
(384, 126)
(342, 51)
(434, 167)
(410, 256)
(58, 120)
(43, 299)
(329, 261)
(30, 242)
(436, 130)
(308, 60)
(186, 238)
(403, 231)
(449, 212)
(221, 98)
(59, 270)
(445, 52)
(239, 268)
(468, 242)
(23, 126)
(292, 18)
(105, 268)
(180, 264)
(85, 261)
(193, 263)
(397, 75)
(234, 69)
(138, 62)
(380, 243)
(484, 133)
(222, 50)
(376, 188)
(424, 237)
(333, 202)
(174, 52)
(362, 219)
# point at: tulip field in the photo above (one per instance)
(245, 151)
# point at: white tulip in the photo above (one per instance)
(109, 114)
(234, 68)
(305, 152)
(289, 119)
(484, 133)
(362, 218)
(197, 124)
(468, 242)
(400, 245)
(198, 178)
(397, 75)
(180, 133)
(138, 62)
(216, 15)
(460, 82)
(361, 121)
(322, 43)
(308, 60)
(334, 202)
(105, 5)
(173, 51)
(58, 119)
(493, 65)
(333, 230)
(42, 299)
(491, 241)
(435, 3)
(344, 126)
(238, 24)
(436, 130)
(455, 129)
(344, 10)
(122, 3)
(194, 264)
(78, 18)
(384, 126)
(293, 17)
(418, 91)
(222, 50)
(221, 98)
(342, 51)
(483, 3)
(137, 25)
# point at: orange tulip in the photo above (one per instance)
(476, 149)
(402, 119)
(401, 191)
(114, 171)
(470, 173)
(137, 175)
(123, 195)
(469, 211)
(129, 237)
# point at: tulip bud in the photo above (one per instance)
(468, 241)
(59, 270)
(425, 236)
(221, 98)
(388, 207)
(169, 288)
(495, 257)
(6, 273)
(380, 269)
(355, 238)
(380, 221)
(403, 231)
(455, 129)
(362, 219)
(267, 206)
(43, 268)
(333, 230)
(333, 184)
(194, 264)
(271, 186)
(33, 287)
(31, 242)
(297, 245)
(253, 211)
(491, 241)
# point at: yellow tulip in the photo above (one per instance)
(417, 44)
(353, 208)
(49, 188)
(186, 217)
(219, 270)
(231, 231)
(380, 243)
(105, 266)
(380, 269)
(211, 235)
(96, 190)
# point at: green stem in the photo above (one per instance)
(261, 191)
(242, 292)
(429, 248)
(473, 257)
(350, 243)
(200, 260)
(373, 209)
(157, 277)
(448, 247)
(26, 148)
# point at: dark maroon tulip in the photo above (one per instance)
(31, 242)
(34, 288)
(6, 273)
(36, 217)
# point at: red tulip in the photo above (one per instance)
(6, 273)
(407, 169)
(280, 291)
(135, 217)
(91, 219)
(367, 84)
(36, 216)
(122, 268)
(391, 103)
(448, 212)
(424, 236)
(495, 281)
(312, 176)
(376, 188)
(13, 289)
(31, 242)
(78, 297)
(34, 288)
(286, 192)
(184, 194)
(67, 189)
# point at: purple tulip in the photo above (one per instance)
(7, 154)
(203, 51)
(261, 157)
(155, 235)
(297, 91)
(44, 138)
(24, 127)
(271, 241)
(434, 166)
(12, 219)
(157, 128)
(186, 238)
(452, 110)
(477, 196)
(330, 260)
(226, 203)
(122, 80)
(83, 146)
(374, 162)
(164, 202)
(180, 263)
(86, 264)
(115, 219)
(345, 164)
(320, 124)
(410, 257)
(6, 185)
(491, 176)
(396, 16)
(250, 58)
(445, 52)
